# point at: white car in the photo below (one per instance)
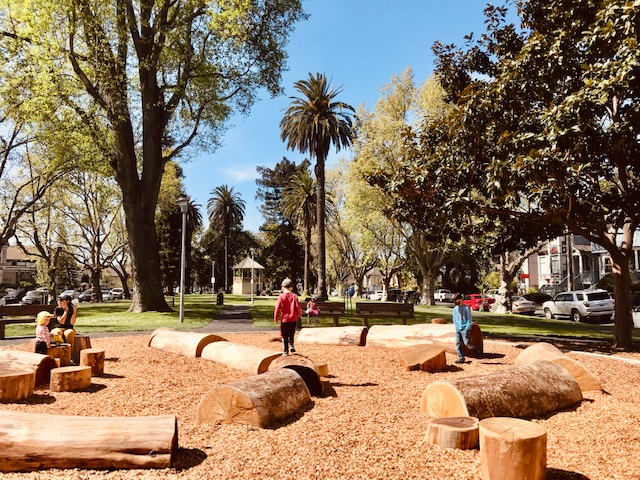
(580, 304)
(522, 305)
(72, 293)
(376, 295)
(636, 317)
(117, 293)
(443, 295)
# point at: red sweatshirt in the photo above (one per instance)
(288, 307)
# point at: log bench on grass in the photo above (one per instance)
(20, 360)
(367, 310)
(546, 351)
(525, 391)
(262, 400)
(425, 357)
(454, 432)
(189, 344)
(395, 336)
(333, 336)
(247, 358)
(512, 448)
(16, 385)
(330, 309)
(85, 442)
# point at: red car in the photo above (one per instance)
(475, 301)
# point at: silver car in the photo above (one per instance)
(580, 304)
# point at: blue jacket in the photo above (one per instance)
(461, 317)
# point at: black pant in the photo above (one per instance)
(41, 347)
(287, 329)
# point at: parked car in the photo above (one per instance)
(443, 295)
(35, 297)
(71, 293)
(491, 293)
(522, 305)
(477, 302)
(87, 296)
(117, 293)
(376, 295)
(106, 294)
(394, 295)
(14, 295)
(580, 304)
(636, 317)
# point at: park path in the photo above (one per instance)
(232, 319)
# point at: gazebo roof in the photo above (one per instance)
(246, 264)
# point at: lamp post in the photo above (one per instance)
(183, 202)
(252, 265)
(213, 279)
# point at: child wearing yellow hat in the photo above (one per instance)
(43, 337)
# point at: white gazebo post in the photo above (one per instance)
(183, 202)
(252, 269)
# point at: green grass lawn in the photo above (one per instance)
(200, 310)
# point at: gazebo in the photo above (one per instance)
(242, 277)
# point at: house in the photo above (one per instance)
(14, 267)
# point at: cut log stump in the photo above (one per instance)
(66, 379)
(87, 442)
(16, 385)
(439, 321)
(189, 344)
(94, 358)
(247, 358)
(81, 342)
(18, 360)
(525, 391)
(512, 448)
(63, 352)
(426, 357)
(398, 336)
(454, 432)
(546, 351)
(262, 400)
(334, 336)
(322, 369)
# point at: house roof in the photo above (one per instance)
(246, 264)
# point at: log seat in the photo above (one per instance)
(66, 379)
(94, 358)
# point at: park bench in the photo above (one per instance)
(19, 314)
(332, 309)
(367, 310)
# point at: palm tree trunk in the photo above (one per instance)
(226, 266)
(322, 263)
(307, 248)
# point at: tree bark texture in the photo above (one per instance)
(189, 344)
(247, 358)
(18, 360)
(88, 442)
(16, 385)
(425, 357)
(525, 391)
(333, 336)
(512, 448)
(397, 336)
(623, 327)
(320, 218)
(546, 351)
(454, 432)
(262, 400)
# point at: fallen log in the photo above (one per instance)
(305, 367)
(453, 432)
(546, 351)
(240, 357)
(512, 448)
(397, 336)
(19, 360)
(333, 336)
(189, 344)
(87, 442)
(426, 357)
(262, 400)
(16, 385)
(524, 391)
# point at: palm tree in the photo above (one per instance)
(194, 222)
(226, 208)
(311, 124)
(299, 199)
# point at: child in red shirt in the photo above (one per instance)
(288, 311)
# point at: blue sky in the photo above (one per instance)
(360, 44)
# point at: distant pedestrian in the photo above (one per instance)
(43, 337)
(312, 309)
(462, 322)
(287, 312)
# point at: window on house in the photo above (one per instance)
(607, 265)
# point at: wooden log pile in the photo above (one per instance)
(524, 391)
(88, 442)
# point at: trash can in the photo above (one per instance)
(220, 298)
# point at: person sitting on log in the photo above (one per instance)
(288, 307)
(65, 319)
(462, 322)
(43, 337)
(312, 309)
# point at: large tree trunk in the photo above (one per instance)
(623, 327)
(307, 259)
(320, 213)
(28, 440)
(525, 391)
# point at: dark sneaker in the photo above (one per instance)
(460, 360)
(293, 350)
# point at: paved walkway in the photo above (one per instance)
(233, 319)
